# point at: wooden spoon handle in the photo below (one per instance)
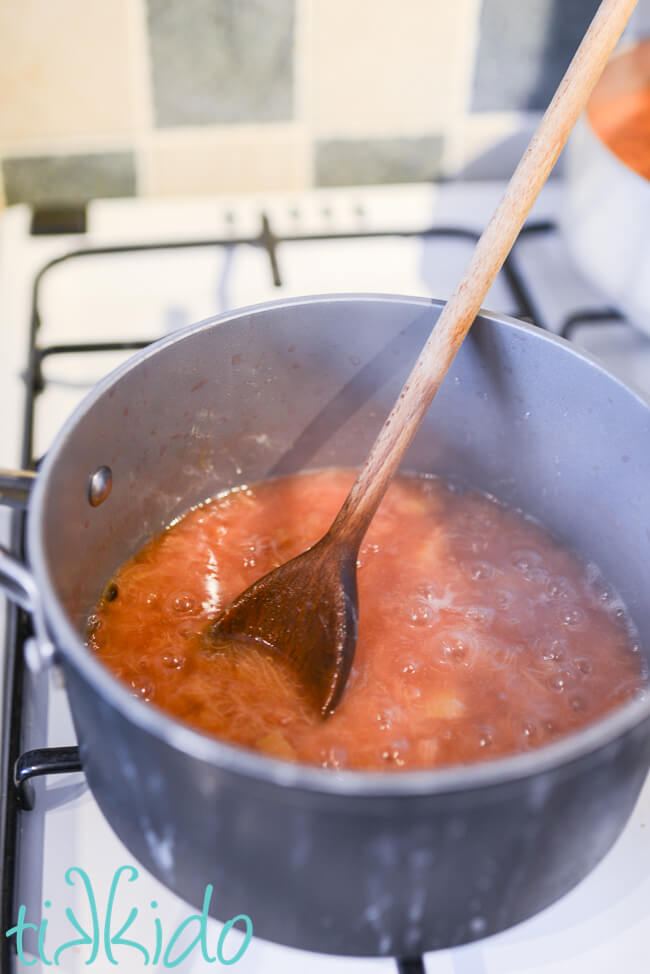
(487, 259)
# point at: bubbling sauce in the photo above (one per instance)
(479, 635)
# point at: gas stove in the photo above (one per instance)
(81, 289)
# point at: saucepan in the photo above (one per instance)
(606, 212)
(342, 862)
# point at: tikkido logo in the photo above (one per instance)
(107, 939)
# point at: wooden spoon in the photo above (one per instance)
(307, 609)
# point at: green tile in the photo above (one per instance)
(217, 61)
(69, 180)
(352, 162)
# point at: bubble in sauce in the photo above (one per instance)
(394, 756)
(482, 615)
(385, 720)
(573, 618)
(183, 603)
(523, 559)
(420, 613)
(481, 570)
(142, 688)
(553, 649)
(528, 730)
(454, 649)
(559, 681)
(335, 757)
(559, 587)
(486, 737)
(173, 661)
(95, 623)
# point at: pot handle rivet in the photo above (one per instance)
(99, 485)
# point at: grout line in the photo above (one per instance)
(179, 134)
(141, 84)
(378, 129)
(453, 132)
(66, 145)
(473, 28)
(302, 78)
(172, 135)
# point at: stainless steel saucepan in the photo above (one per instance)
(606, 213)
(342, 862)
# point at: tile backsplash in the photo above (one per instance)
(159, 97)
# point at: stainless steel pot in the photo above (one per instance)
(606, 212)
(353, 863)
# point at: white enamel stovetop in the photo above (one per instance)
(600, 927)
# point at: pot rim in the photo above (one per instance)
(251, 764)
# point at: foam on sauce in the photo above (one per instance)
(479, 635)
